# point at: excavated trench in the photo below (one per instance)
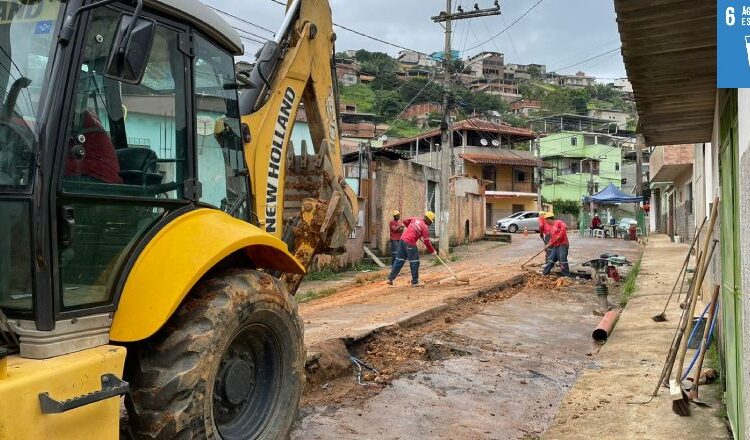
(371, 363)
(496, 366)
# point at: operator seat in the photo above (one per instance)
(139, 166)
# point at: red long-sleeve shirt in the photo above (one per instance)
(558, 233)
(396, 232)
(543, 226)
(416, 228)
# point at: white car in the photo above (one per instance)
(518, 221)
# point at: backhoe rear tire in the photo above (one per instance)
(228, 365)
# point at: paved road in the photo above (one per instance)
(522, 356)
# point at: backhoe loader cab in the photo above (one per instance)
(130, 256)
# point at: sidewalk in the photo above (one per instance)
(628, 366)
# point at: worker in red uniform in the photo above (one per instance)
(544, 230)
(416, 229)
(558, 245)
(397, 228)
(596, 222)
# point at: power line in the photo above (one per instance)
(354, 31)
(242, 20)
(507, 27)
(256, 42)
(262, 38)
(589, 59)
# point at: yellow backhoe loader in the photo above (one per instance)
(155, 219)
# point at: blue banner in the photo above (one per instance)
(733, 43)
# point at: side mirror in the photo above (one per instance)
(130, 50)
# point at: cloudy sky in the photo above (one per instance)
(565, 35)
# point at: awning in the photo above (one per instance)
(494, 159)
(497, 195)
(669, 50)
(611, 194)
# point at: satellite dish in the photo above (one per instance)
(495, 143)
(483, 142)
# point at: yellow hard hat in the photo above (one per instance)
(395, 212)
(549, 215)
(430, 215)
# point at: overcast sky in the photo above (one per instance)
(562, 34)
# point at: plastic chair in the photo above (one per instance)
(598, 233)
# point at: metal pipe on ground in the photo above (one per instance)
(602, 331)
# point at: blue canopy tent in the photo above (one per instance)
(609, 196)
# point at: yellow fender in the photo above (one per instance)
(178, 256)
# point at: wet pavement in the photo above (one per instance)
(511, 365)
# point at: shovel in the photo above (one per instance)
(536, 255)
(460, 280)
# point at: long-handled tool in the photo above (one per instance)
(661, 317)
(693, 393)
(680, 401)
(535, 255)
(460, 280)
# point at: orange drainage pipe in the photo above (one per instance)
(602, 331)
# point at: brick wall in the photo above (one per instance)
(467, 210)
(401, 185)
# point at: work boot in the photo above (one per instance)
(390, 283)
(417, 284)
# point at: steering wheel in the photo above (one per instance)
(17, 143)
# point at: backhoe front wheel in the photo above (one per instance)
(228, 365)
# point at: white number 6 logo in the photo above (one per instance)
(730, 16)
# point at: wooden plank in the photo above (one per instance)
(374, 258)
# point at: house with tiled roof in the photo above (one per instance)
(497, 155)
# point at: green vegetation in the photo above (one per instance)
(629, 285)
(359, 94)
(311, 295)
(403, 129)
(388, 94)
(326, 274)
(571, 207)
(364, 267)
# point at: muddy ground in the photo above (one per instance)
(493, 367)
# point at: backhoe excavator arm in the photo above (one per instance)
(297, 68)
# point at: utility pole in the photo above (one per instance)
(539, 172)
(639, 142)
(446, 136)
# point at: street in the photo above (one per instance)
(494, 365)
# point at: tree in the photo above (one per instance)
(483, 103)
(388, 103)
(375, 63)
(385, 81)
(534, 72)
(408, 90)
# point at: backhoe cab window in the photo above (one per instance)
(127, 140)
(124, 141)
(221, 163)
(27, 35)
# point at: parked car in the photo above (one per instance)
(518, 221)
(508, 218)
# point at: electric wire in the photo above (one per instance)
(242, 19)
(507, 27)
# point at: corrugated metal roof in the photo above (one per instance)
(669, 49)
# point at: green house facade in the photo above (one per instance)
(582, 163)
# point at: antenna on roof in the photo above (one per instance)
(483, 142)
